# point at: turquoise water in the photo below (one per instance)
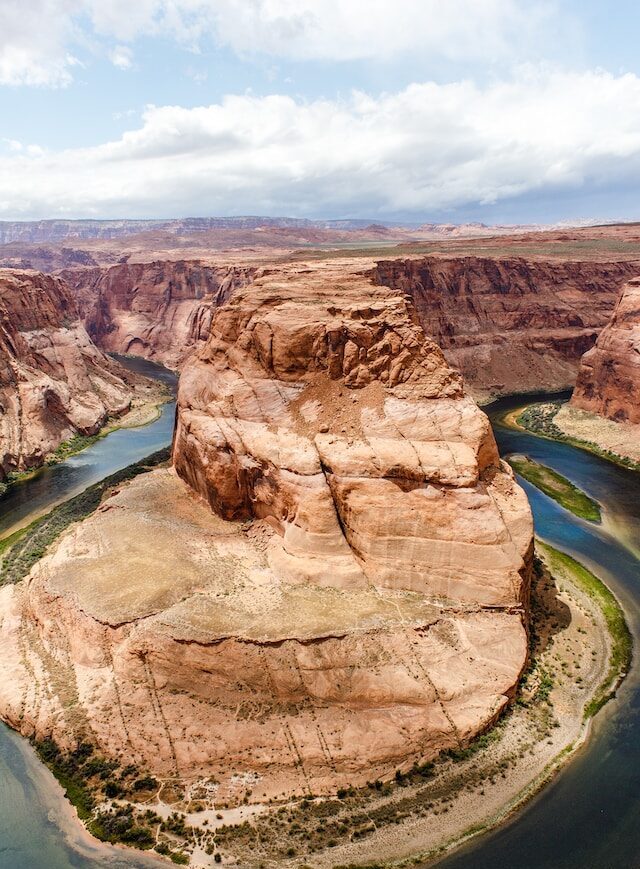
(589, 817)
(38, 829)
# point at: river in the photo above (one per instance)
(38, 828)
(588, 818)
(52, 485)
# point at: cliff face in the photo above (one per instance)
(340, 579)
(329, 413)
(54, 382)
(159, 310)
(510, 325)
(609, 377)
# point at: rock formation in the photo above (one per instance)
(609, 377)
(159, 310)
(54, 382)
(510, 325)
(337, 586)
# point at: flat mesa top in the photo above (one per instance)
(155, 552)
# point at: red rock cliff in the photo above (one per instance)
(356, 599)
(609, 377)
(54, 382)
(159, 310)
(510, 325)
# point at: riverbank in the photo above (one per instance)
(423, 811)
(616, 442)
(574, 657)
(397, 808)
(555, 486)
(20, 551)
(145, 409)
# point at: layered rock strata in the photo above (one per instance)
(159, 310)
(609, 378)
(337, 586)
(54, 382)
(510, 325)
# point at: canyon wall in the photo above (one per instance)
(609, 378)
(340, 571)
(159, 310)
(510, 325)
(54, 382)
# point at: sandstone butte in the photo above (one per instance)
(54, 382)
(508, 324)
(332, 583)
(609, 377)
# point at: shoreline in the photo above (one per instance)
(461, 802)
(504, 813)
(557, 487)
(451, 793)
(142, 416)
(510, 420)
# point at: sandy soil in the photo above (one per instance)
(621, 438)
(145, 407)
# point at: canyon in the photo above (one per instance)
(510, 324)
(507, 324)
(54, 381)
(511, 313)
(608, 381)
(331, 583)
(159, 310)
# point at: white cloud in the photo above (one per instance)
(38, 38)
(425, 148)
(122, 57)
(378, 29)
(34, 42)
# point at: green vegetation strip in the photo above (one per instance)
(540, 419)
(557, 487)
(621, 642)
(21, 550)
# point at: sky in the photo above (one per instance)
(501, 111)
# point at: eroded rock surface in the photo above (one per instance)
(337, 586)
(158, 310)
(510, 325)
(54, 382)
(609, 377)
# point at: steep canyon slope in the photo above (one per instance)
(333, 582)
(54, 382)
(609, 378)
(158, 310)
(510, 324)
